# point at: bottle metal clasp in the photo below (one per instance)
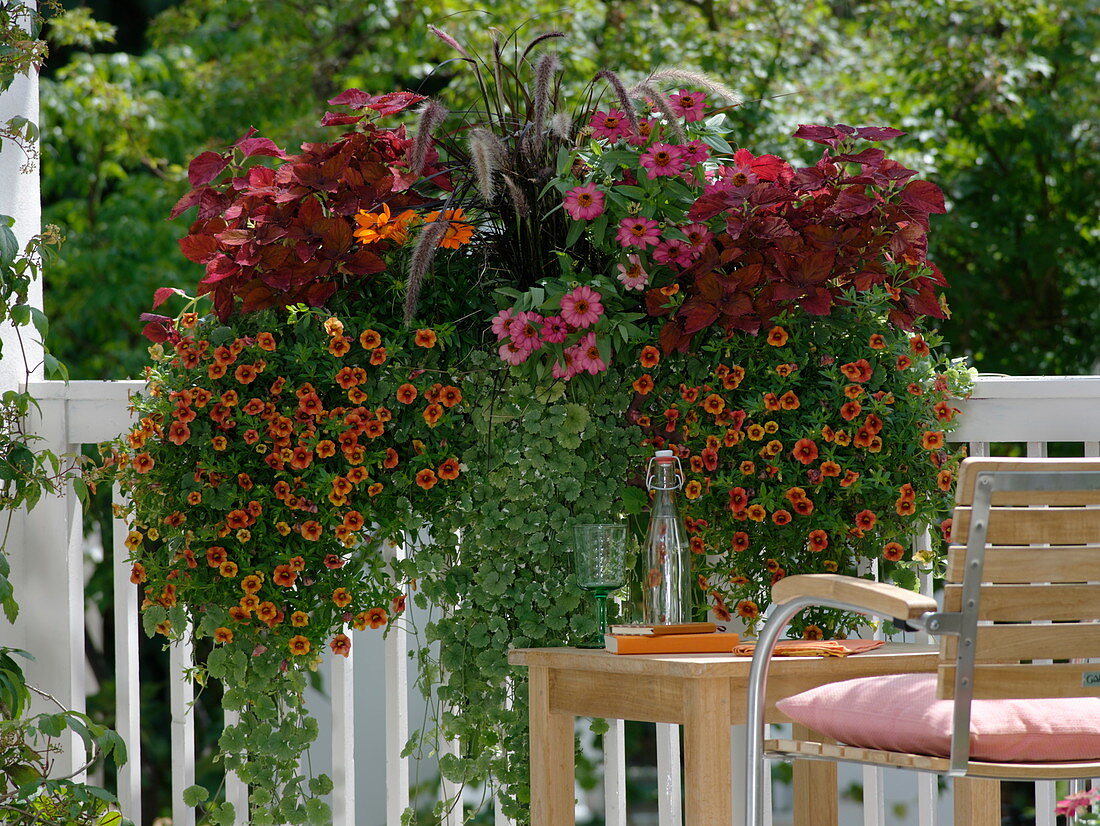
(649, 476)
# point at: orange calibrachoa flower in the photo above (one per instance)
(426, 478)
(818, 540)
(223, 635)
(643, 384)
(376, 617)
(425, 338)
(932, 440)
(406, 393)
(370, 339)
(341, 645)
(777, 336)
(747, 609)
(893, 551)
(299, 645)
(450, 469)
(649, 357)
(341, 597)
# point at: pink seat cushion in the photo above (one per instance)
(900, 712)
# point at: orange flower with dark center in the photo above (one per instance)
(223, 635)
(374, 489)
(877, 341)
(853, 391)
(857, 371)
(781, 517)
(284, 576)
(376, 617)
(342, 485)
(849, 410)
(866, 520)
(137, 573)
(449, 396)
(341, 597)
(747, 609)
(298, 645)
(740, 541)
(827, 433)
(696, 463)
(339, 346)
(805, 451)
(312, 530)
(945, 412)
(341, 645)
(755, 432)
(643, 384)
(301, 458)
(375, 428)
(864, 436)
(945, 479)
(432, 414)
(333, 562)
(784, 370)
(829, 468)
(772, 448)
(325, 448)
(426, 479)
(777, 336)
(850, 476)
(803, 507)
(905, 507)
(893, 551)
(696, 544)
(297, 563)
(406, 393)
(215, 556)
(756, 513)
(246, 373)
(795, 495)
(904, 362)
(918, 346)
(378, 356)
(215, 371)
(738, 499)
(238, 614)
(771, 402)
(932, 440)
(425, 338)
(818, 540)
(689, 394)
(391, 459)
(178, 433)
(266, 611)
(747, 468)
(693, 489)
(357, 475)
(842, 438)
(266, 341)
(345, 377)
(450, 469)
(789, 401)
(299, 619)
(238, 519)
(370, 339)
(228, 569)
(649, 357)
(143, 463)
(354, 520)
(252, 583)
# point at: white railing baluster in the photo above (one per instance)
(397, 708)
(874, 802)
(928, 794)
(236, 791)
(1092, 449)
(450, 791)
(669, 794)
(181, 695)
(127, 669)
(614, 773)
(342, 672)
(1045, 799)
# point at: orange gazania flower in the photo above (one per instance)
(298, 645)
(425, 338)
(426, 478)
(777, 337)
(340, 644)
(649, 357)
(458, 232)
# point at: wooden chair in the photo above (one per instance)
(1024, 588)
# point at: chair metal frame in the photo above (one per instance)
(963, 624)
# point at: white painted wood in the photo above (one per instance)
(874, 801)
(928, 793)
(1045, 799)
(614, 774)
(127, 670)
(1092, 448)
(342, 673)
(236, 792)
(397, 709)
(450, 792)
(669, 790)
(181, 694)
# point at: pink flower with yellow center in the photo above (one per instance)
(632, 275)
(583, 203)
(662, 159)
(581, 308)
(554, 330)
(688, 105)
(636, 231)
(610, 125)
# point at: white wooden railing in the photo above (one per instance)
(49, 567)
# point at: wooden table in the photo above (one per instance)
(705, 693)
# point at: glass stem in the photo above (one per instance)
(601, 614)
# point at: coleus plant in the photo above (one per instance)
(787, 237)
(271, 236)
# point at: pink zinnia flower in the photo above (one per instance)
(663, 159)
(587, 356)
(554, 329)
(610, 125)
(688, 105)
(674, 251)
(695, 152)
(566, 371)
(697, 235)
(524, 330)
(500, 323)
(632, 274)
(646, 129)
(636, 231)
(583, 203)
(581, 308)
(512, 353)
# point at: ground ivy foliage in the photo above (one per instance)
(552, 456)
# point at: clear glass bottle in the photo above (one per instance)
(667, 585)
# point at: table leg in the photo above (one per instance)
(977, 801)
(815, 795)
(552, 763)
(707, 720)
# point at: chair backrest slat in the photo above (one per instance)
(1019, 641)
(1023, 565)
(1034, 603)
(1031, 603)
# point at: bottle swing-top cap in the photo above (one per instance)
(664, 459)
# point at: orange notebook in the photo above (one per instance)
(672, 644)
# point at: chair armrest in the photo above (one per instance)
(877, 597)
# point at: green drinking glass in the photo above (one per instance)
(599, 554)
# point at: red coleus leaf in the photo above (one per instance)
(340, 119)
(257, 297)
(656, 303)
(818, 301)
(234, 237)
(393, 102)
(317, 294)
(198, 248)
(251, 147)
(364, 262)
(673, 339)
(871, 156)
(878, 133)
(185, 203)
(818, 134)
(353, 98)
(206, 167)
(853, 200)
(164, 293)
(924, 196)
(155, 332)
(335, 235)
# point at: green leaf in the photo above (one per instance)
(195, 796)
(9, 245)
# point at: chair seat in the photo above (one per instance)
(809, 750)
(899, 713)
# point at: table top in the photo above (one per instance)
(891, 658)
